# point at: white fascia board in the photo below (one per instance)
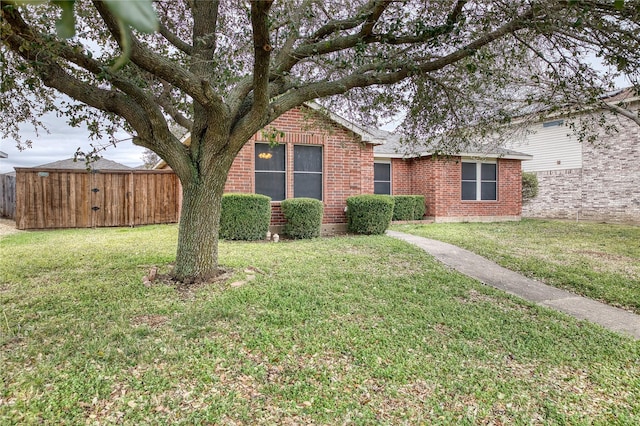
(383, 155)
(478, 155)
(522, 157)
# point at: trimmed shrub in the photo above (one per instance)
(420, 208)
(408, 207)
(529, 186)
(245, 216)
(369, 214)
(403, 207)
(304, 217)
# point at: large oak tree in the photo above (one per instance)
(223, 70)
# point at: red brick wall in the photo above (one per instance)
(439, 180)
(401, 177)
(347, 163)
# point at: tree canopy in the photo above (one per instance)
(223, 70)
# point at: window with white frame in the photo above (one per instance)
(479, 181)
(307, 171)
(382, 178)
(270, 171)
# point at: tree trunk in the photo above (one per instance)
(197, 255)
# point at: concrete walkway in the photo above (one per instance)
(501, 278)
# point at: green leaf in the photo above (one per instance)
(66, 25)
(618, 4)
(139, 14)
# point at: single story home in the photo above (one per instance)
(468, 186)
(321, 155)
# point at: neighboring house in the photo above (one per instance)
(80, 164)
(583, 180)
(323, 156)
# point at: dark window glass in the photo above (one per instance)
(468, 171)
(307, 185)
(271, 184)
(383, 188)
(382, 178)
(553, 123)
(382, 172)
(307, 158)
(488, 191)
(270, 173)
(469, 190)
(270, 158)
(488, 171)
(307, 171)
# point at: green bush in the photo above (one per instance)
(369, 214)
(408, 207)
(304, 217)
(420, 208)
(529, 186)
(245, 216)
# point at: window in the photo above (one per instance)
(307, 171)
(479, 181)
(382, 178)
(553, 123)
(270, 171)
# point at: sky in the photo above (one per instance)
(61, 143)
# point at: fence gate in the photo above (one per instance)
(51, 198)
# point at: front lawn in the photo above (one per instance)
(597, 260)
(351, 330)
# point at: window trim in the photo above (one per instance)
(390, 181)
(478, 179)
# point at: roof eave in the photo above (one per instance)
(522, 157)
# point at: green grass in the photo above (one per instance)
(597, 260)
(353, 330)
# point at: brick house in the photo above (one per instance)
(583, 180)
(323, 156)
(464, 187)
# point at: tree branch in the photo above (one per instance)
(130, 102)
(378, 8)
(262, 55)
(157, 65)
(165, 101)
(175, 40)
(344, 24)
(368, 16)
(622, 111)
(357, 79)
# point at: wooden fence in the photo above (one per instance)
(54, 198)
(8, 196)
